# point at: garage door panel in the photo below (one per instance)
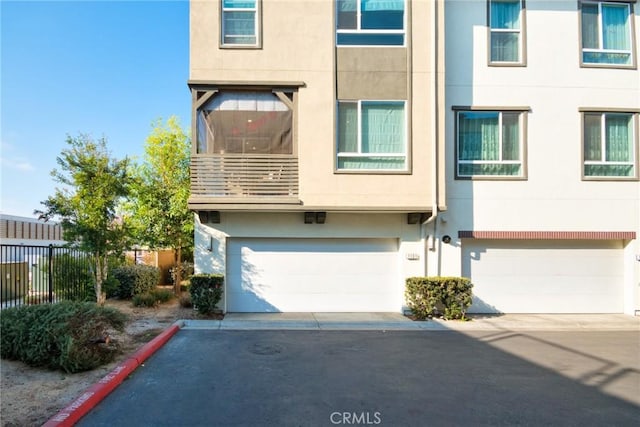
(313, 275)
(545, 276)
(311, 263)
(541, 262)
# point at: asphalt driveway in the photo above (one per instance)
(408, 378)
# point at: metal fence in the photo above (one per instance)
(44, 274)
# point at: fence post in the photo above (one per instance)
(50, 279)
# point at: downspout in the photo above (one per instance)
(434, 133)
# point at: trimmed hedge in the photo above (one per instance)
(206, 292)
(68, 335)
(447, 297)
(135, 279)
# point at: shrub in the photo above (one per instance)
(206, 291)
(111, 286)
(72, 276)
(185, 301)
(144, 300)
(448, 297)
(68, 335)
(162, 295)
(153, 298)
(186, 271)
(135, 279)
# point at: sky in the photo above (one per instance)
(104, 68)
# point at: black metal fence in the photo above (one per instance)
(44, 274)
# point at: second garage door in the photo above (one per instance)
(542, 276)
(313, 275)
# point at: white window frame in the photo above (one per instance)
(631, 40)
(603, 147)
(359, 30)
(520, 31)
(361, 155)
(521, 145)
(257, 11)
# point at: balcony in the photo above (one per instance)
(236, 178)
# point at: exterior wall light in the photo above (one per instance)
(317, 217)
(209, 217)
(446, 238)
(309, 217)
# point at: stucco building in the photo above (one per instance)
(340, 147)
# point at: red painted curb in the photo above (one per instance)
(94, 394)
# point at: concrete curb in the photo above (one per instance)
(97, 392)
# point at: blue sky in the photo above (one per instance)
(104, 68)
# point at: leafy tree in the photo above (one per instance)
(94, 186)
(161, 191)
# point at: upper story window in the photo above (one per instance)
(245, 123)
(606, 33)
(506, 31)
(372, 135)
(370, 22)
(490, 144)
(240, 23)
(610, 145)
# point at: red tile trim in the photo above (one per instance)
(548, 235)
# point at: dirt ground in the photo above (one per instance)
(30, 396)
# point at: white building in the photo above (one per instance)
(543, 198)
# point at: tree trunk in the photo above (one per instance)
(101, 273)
(178, 266)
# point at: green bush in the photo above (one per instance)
(67, 335)
(162, 295)
(448, 297)
(153, 298)
(185, 301)
(206, 291)
(111, 286)
(144, 300)
(135, 279)
(186, 271)
(72, 276)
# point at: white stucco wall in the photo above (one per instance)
(554, 86)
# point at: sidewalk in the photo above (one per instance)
(396, 321)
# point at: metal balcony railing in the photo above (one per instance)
(238, 176)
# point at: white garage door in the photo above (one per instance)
(580, 276)
(313, 275)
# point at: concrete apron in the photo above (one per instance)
(396, 321)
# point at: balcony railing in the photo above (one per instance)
(244, 177)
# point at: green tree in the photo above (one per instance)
(95, 184)
(161, 191)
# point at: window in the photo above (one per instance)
(608, 146)
(240, 23)
(370, 22)
(506, 31)
(372, 135)
(245, 123)
(490, 143)
(606, 33)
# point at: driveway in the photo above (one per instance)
(409, 378)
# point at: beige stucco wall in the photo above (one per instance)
(372, 72)
(298, 44)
